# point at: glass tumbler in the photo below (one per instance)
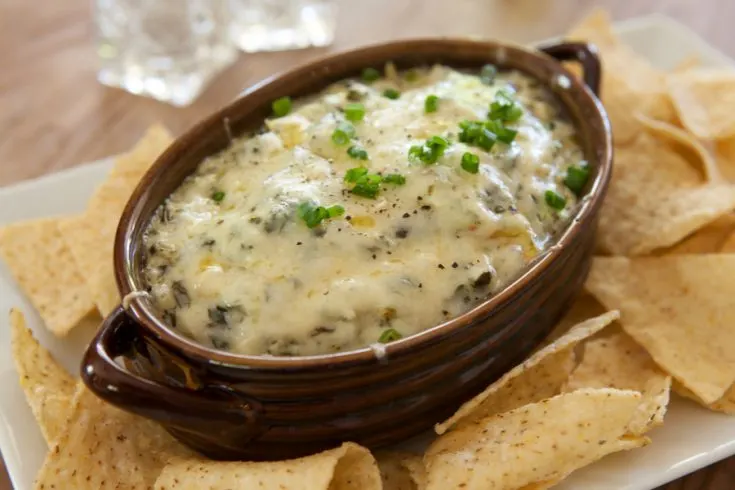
(165, 49)
(274, 25)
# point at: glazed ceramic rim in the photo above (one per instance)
(144, 313)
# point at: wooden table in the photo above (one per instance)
(54, 114)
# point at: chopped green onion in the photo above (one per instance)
(396, 179)
(576, 178)
(474, 133)
(506, 135)
(431, 104)
(391, 93)
(281, 106)
(504, 108)
(354, 174)
(366, 189)
(554, 200)
(354, 112)
(488, 74)
(389, 335)
(218, 196)
(470, 162)
(314, 215)
(430, 151)
(343, 133)
(370, 75)
(357, 152)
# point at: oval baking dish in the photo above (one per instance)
(228, 405)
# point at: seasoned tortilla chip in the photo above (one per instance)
(541, 376)
(401, 471)
(725, 155)
(680, 308)
(705, 101)
(38, 258)
(103, 448)
(630, 85)
(616, 361)
(535, 445)
(687, 143)
(90, 237)
(347, 467)
(656, 198)
(48, 387)
(689, 63)
(726, 404)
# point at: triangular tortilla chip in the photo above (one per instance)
(48, 387)
(725, 154)
(104, 448)
(726, 404)
(348, 467)
(541, 376)
(401, 471)
(534, 445)
(40, 261)
(656, 198)
(705, 101)
(728, 247)
(630, 84)
(680, 308)
(616, 361)
(709, 239)
(91, 236)
(585, 306)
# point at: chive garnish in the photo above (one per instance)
(354, 112)
(470, 162)
(488, 74)
(281, 106)
(506, 135)
(357, 152)
(474, 133)
(353, 174)
(554, 200)
(218, 196)
(370, 75)
(396, 179)
(576, 178)
(391, 93)
(431, 104)
(389, 335)
(504, 108)
(343, 133)
(314, 215)
(430, 151)
(365, 184)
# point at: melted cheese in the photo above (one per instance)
(246, 274)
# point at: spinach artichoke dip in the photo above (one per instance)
(378, 208)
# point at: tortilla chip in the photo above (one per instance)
(687, 143)
(104, 448)
(347, 467)
(534, 445)
(90, 237)
(540, 376)
(630, 84)
(728, 246)
(48, 387)
(680, 308)
(705, 101)
(401, 471)
(583, 308)
(689, 63)
(616, 361)
(726, 404)
(725, 155)
(37, 257)
(656, 198)
(709, 239)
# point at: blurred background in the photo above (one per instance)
(81, 79)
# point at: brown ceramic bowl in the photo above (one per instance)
(256, 407)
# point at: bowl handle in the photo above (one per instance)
(214, 409)
(585, 54)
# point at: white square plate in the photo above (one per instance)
(691, 438)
